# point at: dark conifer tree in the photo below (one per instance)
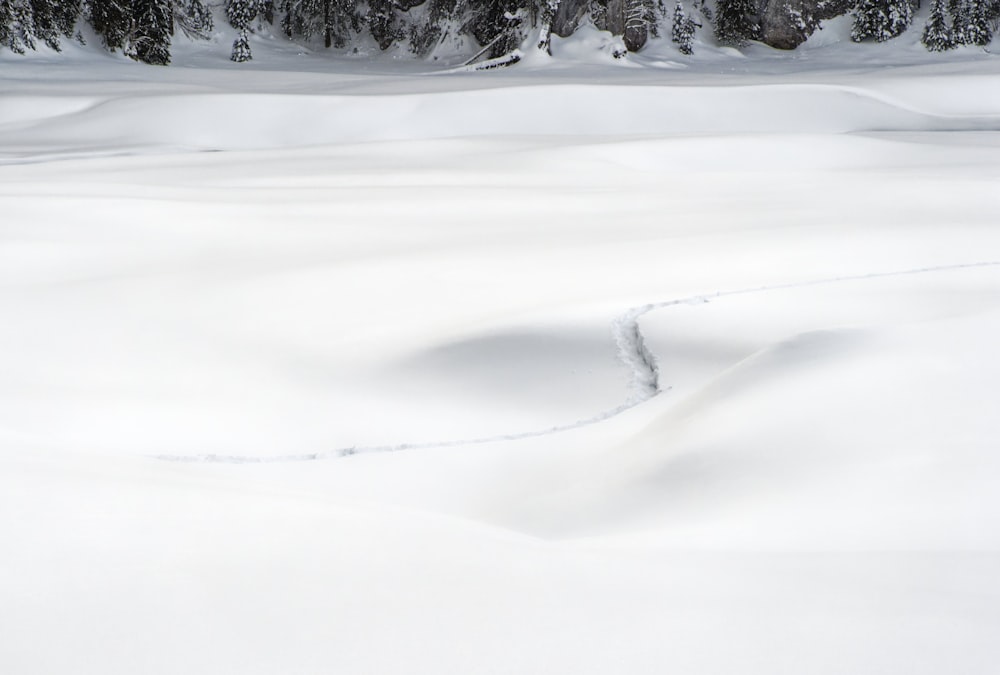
(682, 29)
(241, 15)
(383, 23)
(152, 27)
(736, 22)
(881, 20)
(16, 25)
(334, 20)
(54, 19)
(193, 18)
(958, 10)
(499, 25)
(978, 27)
(241, 48)
(937, 35)
(112, 20)
(442, 20)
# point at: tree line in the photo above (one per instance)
(491, 31)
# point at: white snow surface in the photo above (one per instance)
(664, 366)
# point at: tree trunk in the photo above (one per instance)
(327, 37)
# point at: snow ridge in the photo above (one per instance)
(644, 375)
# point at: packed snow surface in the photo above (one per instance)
(655, 367)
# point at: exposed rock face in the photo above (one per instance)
(635, 36)
(615, 19)
(785, 24)
(568, 16)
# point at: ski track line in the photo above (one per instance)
(644, 380)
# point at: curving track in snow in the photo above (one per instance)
(644, 375)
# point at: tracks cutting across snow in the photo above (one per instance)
(644, 376)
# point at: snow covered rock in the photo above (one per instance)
(785, 24)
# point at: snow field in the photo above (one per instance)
(400, 260)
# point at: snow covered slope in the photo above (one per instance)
(682, 370)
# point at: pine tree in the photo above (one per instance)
(16, 25)
(335, 20)
(937, 35)
(682, 29)
(978, 27)
(112, 20)
(958, 10)
(241, 48)
(153, 24)
(498, 25)
(383, 23)
(881, 20)
(735, 22)
(194, 18)
(241, 14)
(442, 19)
(54, 19)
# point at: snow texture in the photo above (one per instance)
(718, 331)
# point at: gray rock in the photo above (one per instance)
(785, 24)
(635, 37)
(568, 16)
(616, 17)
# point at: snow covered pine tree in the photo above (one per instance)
(881, 20)
(54, 19)
(333, 19)
(442, 18)
(153, 25)
(195, 19)
(937, 36)
(16, 25)
(241, 14)
(682, 29)
(492, 31)
(383, 24)
(735, 22)
(498, 25)
(241, 48)
(973, 22)
(112, 20)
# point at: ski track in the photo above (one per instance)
(644, 380)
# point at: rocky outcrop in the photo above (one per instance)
(785, 24)
(568, 16)
(627, 18)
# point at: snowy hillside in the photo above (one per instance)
(591, 365)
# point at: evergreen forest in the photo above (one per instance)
(492, 33)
